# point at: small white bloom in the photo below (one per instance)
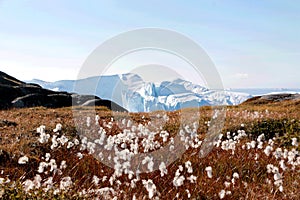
(88, 121)
(188, 193)
(37, 181)
(95, 180)
(70, 145)
(54, 142)
(227, 184)
(42, 166)
(53, 165)
(163, 170)
(150, 187)
(209, 171)
(268, 150)
(65, 183)
(282, 165)
(47, 156)
(79, 155)
(23, 160)
(28, 185)
(295, 142)
(150, 162)
(235, 175)
(280, 188)
(188, 165)
(178, 181)
(76, 142)
(63, 139)
(63, 165)
(57, 128)
(222, 194)
(192, 178)
(277, 176)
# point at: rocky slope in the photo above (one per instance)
(273, 98)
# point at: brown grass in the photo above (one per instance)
(21, 139)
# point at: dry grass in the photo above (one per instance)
(280, 120)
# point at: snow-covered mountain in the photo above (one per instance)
(131, 92)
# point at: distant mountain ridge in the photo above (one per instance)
(19, 94)
(132, 93)
(266, 91)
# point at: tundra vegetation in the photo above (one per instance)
(44, 156)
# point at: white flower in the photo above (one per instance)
(209, 171)
(291, 156)
(65, 183)
(278, 153)
(261, 138)
(277, 176)
(28, 185)
(76, 142)
(37, 181)
(280, 188)
(95, 180)
(79, 155)
(163, 170)
(150, 187)
(260, 145)
(47, 156)
(164, 135)
(91, 147)
(43, 136)
(227, 184)
(54, 142)
(188, 165)
(192, 178)
(222, 194)
(70, 145)
(57, 128)
(41, 129)
(282, 165)
(48, 184)
(268, 150)
(88, 121)
(63, 165)
(97, 118)
(53, 165)
(23, 160)
(253, 143)
(188, 193)
(41, 167)
(150, 162)
(294, 142)
(235, 175)
(178, 181)
(63, 139)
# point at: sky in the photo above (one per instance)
(253, 44)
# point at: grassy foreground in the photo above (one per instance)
(44, 156)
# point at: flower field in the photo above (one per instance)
(44, 155)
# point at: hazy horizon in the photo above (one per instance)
(174, 78)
